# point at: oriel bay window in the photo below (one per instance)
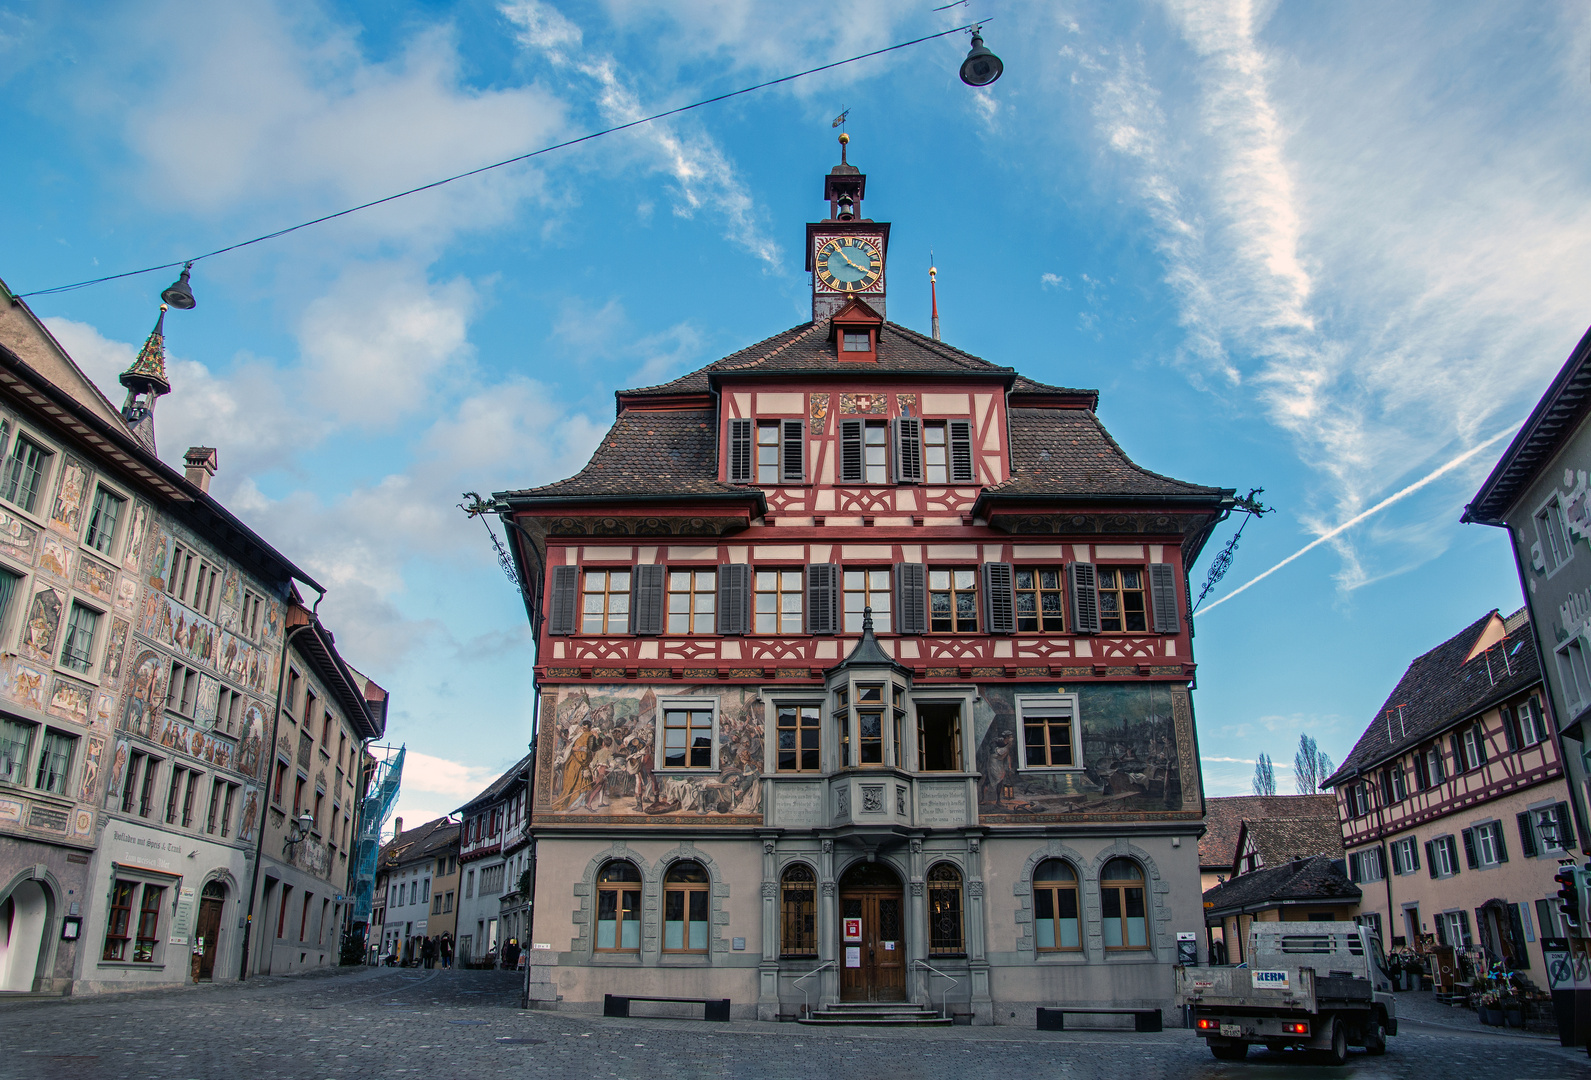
(686, 892)
(870, 716)
(1121, 599)
(799, 738)
(1055, 922)
(944, 912)
(952, 600)
(777, 598)
(1122, 906)
(798, 923)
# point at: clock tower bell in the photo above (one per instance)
(846, 251)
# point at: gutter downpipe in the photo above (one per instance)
(276, 723)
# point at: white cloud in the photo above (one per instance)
(440, 776)
(1054, 281)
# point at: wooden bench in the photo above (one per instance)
(1142, 1019)
(715, 1008)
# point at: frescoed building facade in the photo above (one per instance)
(140, 632)
(865, 674)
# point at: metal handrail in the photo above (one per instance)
(806, 1000)
(944, 999)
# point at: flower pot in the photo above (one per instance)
(1490, 1016)
(1514, 1017)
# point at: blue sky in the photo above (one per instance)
(1320, 249)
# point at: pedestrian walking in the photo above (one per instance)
(447, 950)
(428, 952)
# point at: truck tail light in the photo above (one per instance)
(1209, 1025)
(1296, 1029)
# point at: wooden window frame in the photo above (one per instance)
(1106, 571)
(1038, 592)
(71, 655)
(19, 759)
(1121, 887)
(608, 615)
(783, 593)
(1552, 534)
(798, 911)
(1055, 887)
(958, 735)
(687, 890)
(93, 532)
(51, 735)
(147, 929)
(11, 466)
(798, 729)
(955, 592)
(939, 449)
(693, 614)
(882, 623)
(687, 706)
(775, 446)
(1035, 704)
(118, 921)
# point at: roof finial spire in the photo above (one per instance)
(844, 141)
(146, 381)
(933, 291)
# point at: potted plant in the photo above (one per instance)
(1490, 1009)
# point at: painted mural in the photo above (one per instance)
(42, 625)
(603, 761)
(56, 558)
(96, 579)
(251, 813)
(24, 684)
(864, 404)
(68, 512)
(146, 693)
(202, 641)
(187, 739)
(251, 747)
(126, 596)
(159, 541)
(135, 539)
(17, 537)
(93, 759)
(1130, 746)
(118, 771)
(115, 651)
(71, 700)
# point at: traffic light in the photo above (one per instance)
(1569, 882)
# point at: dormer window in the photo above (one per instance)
(858, 341)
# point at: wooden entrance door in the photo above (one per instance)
(876, 969)
(208, 930)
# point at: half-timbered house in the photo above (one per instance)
(865, 675)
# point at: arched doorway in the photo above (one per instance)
(872, 934)
(23, 916)
(208, 934)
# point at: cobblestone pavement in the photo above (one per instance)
(438, 1025)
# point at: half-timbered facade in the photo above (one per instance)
(865, 675)
(1454, 803)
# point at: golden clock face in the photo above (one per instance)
(848, 264)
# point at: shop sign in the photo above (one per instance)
(1271, 980)
(853, 929)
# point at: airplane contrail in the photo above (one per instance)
(1382, 505)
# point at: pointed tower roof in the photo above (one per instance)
(148, 372)
(868, 653)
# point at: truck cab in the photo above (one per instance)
(1306, 985)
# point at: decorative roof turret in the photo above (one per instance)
(868, 653)
(146, 381)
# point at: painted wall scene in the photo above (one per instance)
(602, 763)
(1137, 748)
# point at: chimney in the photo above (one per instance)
(201, 462)
(397, 827)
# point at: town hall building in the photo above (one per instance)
(865, 675)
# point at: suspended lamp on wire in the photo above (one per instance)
(981, 67)
(179, 294)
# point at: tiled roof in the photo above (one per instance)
(1069, 452)
(419, 842)
(495, 789)
(1318, 878)
(1224, 817)
(810, 348)
(1439, 690)
(1281, 840)
(654, 453)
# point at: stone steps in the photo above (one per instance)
(874, 1014)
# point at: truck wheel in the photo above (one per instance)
(1234, 1051)
(1376, 1038)
(1338, 1054)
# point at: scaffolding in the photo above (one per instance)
(378, 804)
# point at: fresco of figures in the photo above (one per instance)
(1130, 758)
(604, 756)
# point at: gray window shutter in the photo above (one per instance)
(1083, 586)
(851, 452)
(823, 598)
(908, 440)
(1414, 857)
(734, 598)
(1565, 826)
(563, 611)
(1502, 846)
(1469, 849)
(1430, 861)
(1510, 728)
(1163, 595)
(911, 598)
(1527, 834)
(961, 451)
(646, 600)
(999, 603)
(793, 451)
(1460, 763)
(741, 433)
(1480, 745)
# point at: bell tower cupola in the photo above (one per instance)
(846, 251)
(146, 381)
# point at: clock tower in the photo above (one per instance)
(846, 251)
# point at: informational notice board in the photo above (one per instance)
(853, 956)
(182, 921)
